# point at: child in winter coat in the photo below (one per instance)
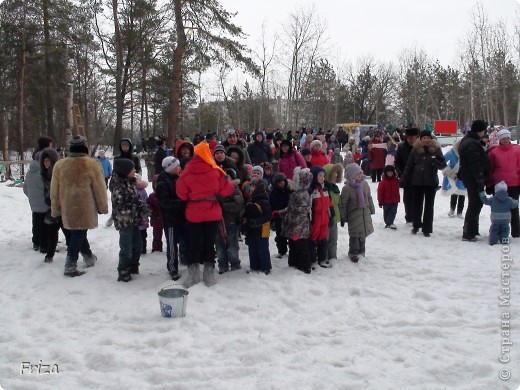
(322, 217)
(296, 221)
(226, 241)
(128, 211)
(155, 218)
(358, 156)
(388, 196)
(501, 205)
(256, 223)
(336, 157)
(318, 157)
(356, 207)
(141, 191)
(173, 212)
(279, 199)
(333, 176)
(268, 172)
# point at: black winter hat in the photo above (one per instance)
(411, 131)
(231, 173)
(479, 125)
(78, 144)
(286, 142)
(305, 151)
(278, 177)
(425, 133)
(123, 166)
(389, 168)
(44, 142)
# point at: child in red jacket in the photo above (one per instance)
(388, 195)
(322, 217)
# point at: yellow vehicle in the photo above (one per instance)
(348, 127)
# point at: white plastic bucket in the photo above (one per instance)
(173, 302)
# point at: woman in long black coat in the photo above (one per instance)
(425, 160)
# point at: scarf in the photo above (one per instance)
(358, 187)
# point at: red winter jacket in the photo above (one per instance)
(504, 164)
(319, 158)
(376, 155)
(200, 184)
(321, 203)
(388, 190)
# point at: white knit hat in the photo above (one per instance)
(170, 163)
(316, 144)
(504, 133)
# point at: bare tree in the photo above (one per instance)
(304, 36)
(265, 56)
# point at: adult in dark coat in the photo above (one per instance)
(237, 154)
(232, 140)
(425, 160)
(473, 172)
(259, 151)
(173, 213)
(159, 156)
(126, 147)
(401, 159)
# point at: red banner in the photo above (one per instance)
(445, 127)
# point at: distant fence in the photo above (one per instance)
(12, 170)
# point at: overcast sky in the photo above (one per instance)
(381, 28)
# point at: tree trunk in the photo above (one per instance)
(49, 96)
(118, 133)
(21, 87)
(178, 53)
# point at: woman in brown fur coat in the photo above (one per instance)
(78, 195)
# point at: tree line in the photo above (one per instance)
(139, 68)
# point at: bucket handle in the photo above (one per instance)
(171, 285)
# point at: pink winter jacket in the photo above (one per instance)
(504, 164)
(287, 163)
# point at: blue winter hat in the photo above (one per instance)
(500, 186)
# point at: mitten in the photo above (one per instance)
(342, 223)
(489, 190)
(380, 205)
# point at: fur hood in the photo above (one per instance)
(331, 170)
(432, 146)
(238, 150)
(302, 179)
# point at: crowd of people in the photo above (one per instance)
(210, 195)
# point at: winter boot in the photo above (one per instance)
(193, 276)
(208, 275)
(175, 275)
(73, 273)
(451, 213)
(134, 269)
(124, 275)
(90, 260)
(48, 259)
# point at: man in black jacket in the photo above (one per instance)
(401, 158)
(127, 147)
(473, 171)
(259, 151)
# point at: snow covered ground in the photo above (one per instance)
(416, 313)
